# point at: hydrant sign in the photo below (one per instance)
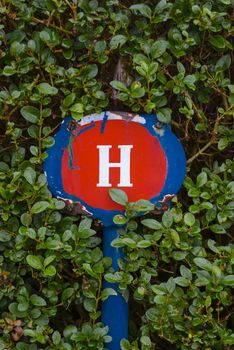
(114, 150)
(131, 152)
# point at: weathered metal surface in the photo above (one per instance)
(153, 161)
(132, 152)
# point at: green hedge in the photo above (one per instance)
(172, 58)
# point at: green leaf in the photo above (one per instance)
(30, 175)
(185, 272)
(201, 179)
(85, 224)
(189, 219)
(228, 281)
(107, 292)
(34, 150)
(67, 293)
(118, 85)
(223, 63)
(208, 301)
(90, 71)
(47, 89)
(31, 233)
(77, 108)
(194, 192)
(157, 235)
(223, 143)
(117, 243)
(90, 304)
(164, 115)
(23, 306)
(112, 278)
(69, 99)
(144, 244)
(100, 46)
(34, 261)
(137, 91)
(120, 219)
(69, 330)
(56, 337)
(158, 48)
(39, 207)
(99, 95)
(178, 255)
(180, 68)
(170, 285)
(189, 80)
(45, 36)
(218, 229)
(26, 219)
(142, 205)
(182, 281)
(8, 71)
(203, 264)
(4, 236)
(50, 271)
(87, 267)
(143, 9)
(153, 224)
(117, 41)
(37, 301)
(160, 299)
(4, 167)
(48, 260)
(129, 242)
(30, 113)
(125, 345)
(167, 219)
(145, 340)
(175, 236)
(218, 41)
(118, 196)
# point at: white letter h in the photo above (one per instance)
(105, 165)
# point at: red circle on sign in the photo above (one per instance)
(80, 163)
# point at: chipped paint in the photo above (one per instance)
(104, 116)
(81, 207)
(70, 144)
(159, 129)
(65, 138)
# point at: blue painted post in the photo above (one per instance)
(115, 308)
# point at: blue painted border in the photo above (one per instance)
(169, 142)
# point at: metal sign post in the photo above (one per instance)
(115, 308)
(128, 151)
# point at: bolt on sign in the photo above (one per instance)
(132, 152)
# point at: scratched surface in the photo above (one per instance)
(72, 166)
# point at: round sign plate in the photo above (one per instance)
(132, 152)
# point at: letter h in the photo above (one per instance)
(105, 165)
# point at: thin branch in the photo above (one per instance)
(211, 142)
(200, 117)
(190, 160)
(37, 20)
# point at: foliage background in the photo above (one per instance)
(174, 58)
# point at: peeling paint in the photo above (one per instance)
(64, 141)
(70, 150)
(159, 129)
(70, 153)
(112, 116)
(79, 205)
